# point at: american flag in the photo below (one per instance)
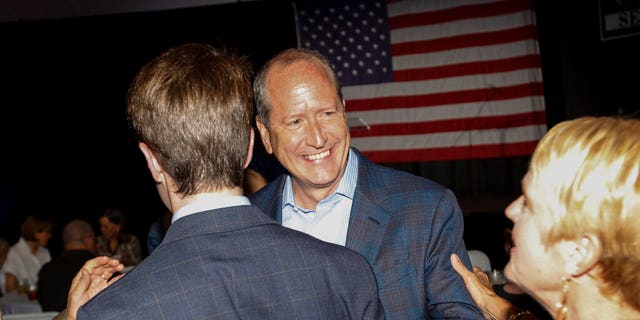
(433, 79)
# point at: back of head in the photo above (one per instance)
(32, 225)
(590, 171)
(192, 105)
(283, 59)
(76, 232)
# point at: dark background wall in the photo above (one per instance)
(67, 151)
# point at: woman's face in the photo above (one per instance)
(43, 237)
(108, 229)
(536, 268)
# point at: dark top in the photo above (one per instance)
(54, 278)
(155, 235)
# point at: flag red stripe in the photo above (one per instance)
(445, 98)
(465, 41)
(457, 13)
(453, 153)
(452, 125)
(468, 68)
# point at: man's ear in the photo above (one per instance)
(152, 163)
(250, 151)
(264, 135)
(584, 254)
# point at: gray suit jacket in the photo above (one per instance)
(407, 227)
(236, 263)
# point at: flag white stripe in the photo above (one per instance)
(450, 139)
(452, 84)
(448, 57)
(463, 27)
(450, 112)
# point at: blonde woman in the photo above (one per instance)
(576, 226)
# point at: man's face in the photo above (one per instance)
(308, 131)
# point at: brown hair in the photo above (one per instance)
(192, 106)
(32, 225)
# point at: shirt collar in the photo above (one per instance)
(210, 201)
(346, 187)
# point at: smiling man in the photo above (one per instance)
(405, 226)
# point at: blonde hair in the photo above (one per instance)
(590, 170)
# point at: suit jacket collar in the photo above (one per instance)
(270, 198)
(216, 221)
(368, 219)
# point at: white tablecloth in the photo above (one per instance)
(18, 303)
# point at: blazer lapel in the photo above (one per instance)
(368, 220)
(275, 203)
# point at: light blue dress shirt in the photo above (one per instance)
(329, 220)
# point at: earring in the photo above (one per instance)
(562, 305)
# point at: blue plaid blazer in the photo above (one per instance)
(236, 263)
(407, 227)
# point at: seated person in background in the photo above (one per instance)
(253, 181)
(27, 256)
(94, 276)
(54, 279)
(576, 227)
(262, 169)
(157, 230)
(115, 242)
(4, 251)
(221, 258)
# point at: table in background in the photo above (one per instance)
(13, 303)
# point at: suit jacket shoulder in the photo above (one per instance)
(407, 226)
(236, 263)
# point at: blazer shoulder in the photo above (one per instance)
(372, 174)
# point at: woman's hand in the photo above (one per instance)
(92, 278)
(480, 289)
